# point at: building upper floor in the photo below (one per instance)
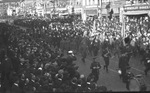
(137, 2)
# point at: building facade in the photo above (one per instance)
(90, 7)
(9, 7)
(136, 7)
(100, 7)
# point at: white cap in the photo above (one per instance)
(39, 68)
(70, 52)
(119, 71)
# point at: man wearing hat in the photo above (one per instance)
(106, 55)
(71, 68)
(95, 66)
(123, 64)
(127, 48)
(71, 57)
(81, 83)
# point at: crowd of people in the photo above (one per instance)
(33, 57)
(28, 62)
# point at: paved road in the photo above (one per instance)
(111, 79)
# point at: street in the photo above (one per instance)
(111, 79)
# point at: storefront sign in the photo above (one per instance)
(91, 12)
(78, 10)
(131, 8)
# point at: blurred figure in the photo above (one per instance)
(106, 56)
(123, 65)
(71, 58)
(95, 66)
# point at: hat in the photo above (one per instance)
(39, 68)
(119, 71)
(70, 52)
(82, 76)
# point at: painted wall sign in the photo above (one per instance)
(131, 8)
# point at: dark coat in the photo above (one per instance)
(123, 62)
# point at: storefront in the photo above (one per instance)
(78, 10)
(91, 10)
(136, 10)
(135, 19)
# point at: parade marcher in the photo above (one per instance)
(71, 68)
(59, 78)
(128, 49)
(95, 46)
(73, 83)
(91, 86)
(95, 66)
(81, 83)
(71, 58)
(123, 64)
(83, 49)
(106, 56)
(128, 76)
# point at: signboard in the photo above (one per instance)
(78, 10)
(131, 8)
(91, 12)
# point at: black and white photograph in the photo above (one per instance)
(75, 46)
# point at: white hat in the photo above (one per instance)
(39, 68)
(70, 52)
(119, 71)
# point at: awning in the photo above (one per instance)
(135, 12)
